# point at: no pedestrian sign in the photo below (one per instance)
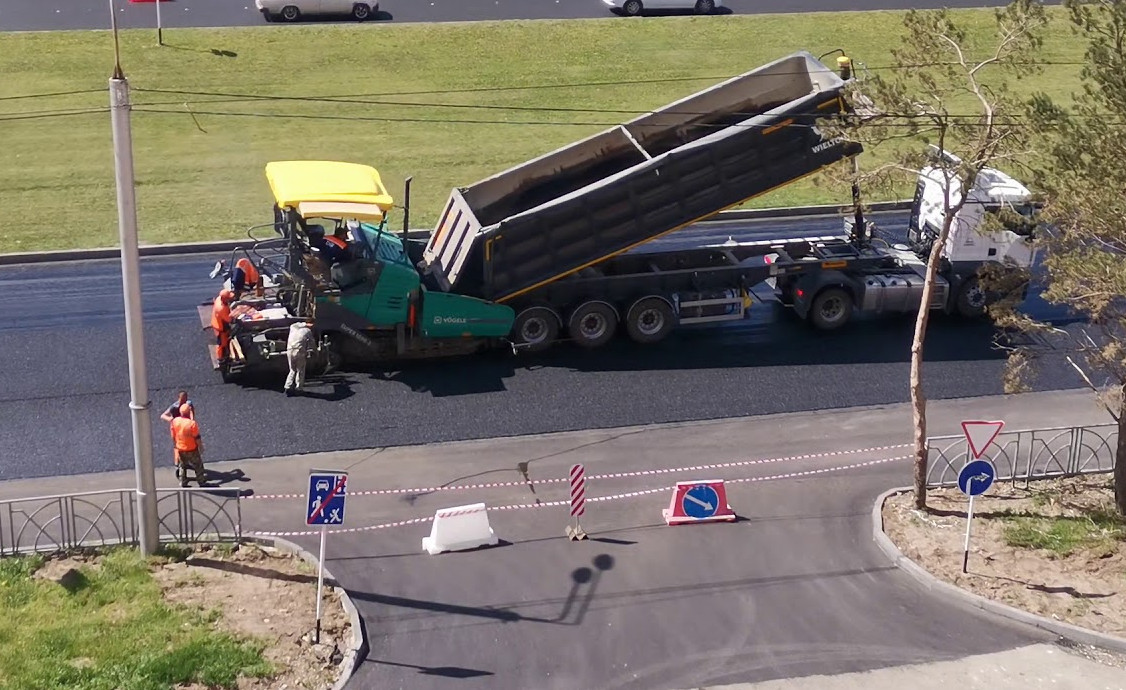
(324, 504)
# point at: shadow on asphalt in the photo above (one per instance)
(783, 343)
(573, 606)
(577, 603)
(443, 671)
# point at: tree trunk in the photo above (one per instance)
(1120, 464)
(918, 397)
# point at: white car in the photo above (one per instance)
(633, 8)
(292, 10)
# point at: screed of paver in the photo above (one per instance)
(1026, 668)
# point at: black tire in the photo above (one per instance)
(592, 324)
(361, 12)
(632, 8)
(705, 6)
(649, 320)
(290, 13)
(831, 309)
(535, 329)
(972, 300)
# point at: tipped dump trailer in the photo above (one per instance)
(508, 235)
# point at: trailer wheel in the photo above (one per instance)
(831, 309)
(361, 12)
(705, 6)
(649, 320)
(290, 13)
(972, 299)
(592, 324)
(535, 328)
(632, 8)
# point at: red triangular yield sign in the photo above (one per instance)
(980, 434)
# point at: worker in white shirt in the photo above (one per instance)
(298, 347)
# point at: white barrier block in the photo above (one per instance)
(460, 528)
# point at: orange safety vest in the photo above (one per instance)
(248, 269)
(185, 433)
(220, 315)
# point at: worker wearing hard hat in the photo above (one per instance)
(298, 347)
(189, 446)
(221, 323)
(245, 275)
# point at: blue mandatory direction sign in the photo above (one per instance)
(976, 477)
(324, 504)
(701, 501)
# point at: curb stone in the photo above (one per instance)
(357, 649)
(215, 246)
(1066, 631)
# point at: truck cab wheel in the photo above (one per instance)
(831, 309)
(592, 324)
(972, 299)
(535, 329)
(649, 320)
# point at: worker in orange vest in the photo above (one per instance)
(189, 446)
(221, 323)
(245, 274)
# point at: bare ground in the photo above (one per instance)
(1084, 585)
(262, 593)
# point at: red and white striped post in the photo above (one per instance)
(578, 502)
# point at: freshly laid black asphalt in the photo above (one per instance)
(64, 398)
(38, 15)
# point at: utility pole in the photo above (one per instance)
(148, 528)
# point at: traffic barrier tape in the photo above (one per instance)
(593, 499)
(612, 475)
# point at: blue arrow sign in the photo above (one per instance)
(701, 501)
(324, 503)
(976, 477)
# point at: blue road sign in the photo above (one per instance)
(976, 477)
(324, 504)
(701, 501)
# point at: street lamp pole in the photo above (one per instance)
(148, 528)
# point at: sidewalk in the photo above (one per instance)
(1026, 668)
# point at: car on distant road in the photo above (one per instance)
(292, 10)
(632, 8)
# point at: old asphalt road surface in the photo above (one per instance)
(64, 401)
(38, 15)
(797, 587)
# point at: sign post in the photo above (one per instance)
(578, 502)
(324, 506)
(976, 476)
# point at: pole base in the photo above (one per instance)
(576, 533)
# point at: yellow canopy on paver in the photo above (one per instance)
(329, 189)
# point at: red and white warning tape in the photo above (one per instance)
(595, 499)
(613, 475)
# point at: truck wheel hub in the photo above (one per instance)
(592, 326)
(650, 322)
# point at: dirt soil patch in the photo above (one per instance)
(1055, 548)
(253, 592)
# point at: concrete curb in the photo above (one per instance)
(215, 246)
(1067, 631)
(358, 648)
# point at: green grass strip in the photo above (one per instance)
(200, 175)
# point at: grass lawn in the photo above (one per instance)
(202, 178)
(110, 628)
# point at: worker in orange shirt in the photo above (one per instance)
(221, 323)
(244, 275)
(189, 446)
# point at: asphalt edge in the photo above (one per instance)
(210, 247)
(1067, 631)
(358, 648)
